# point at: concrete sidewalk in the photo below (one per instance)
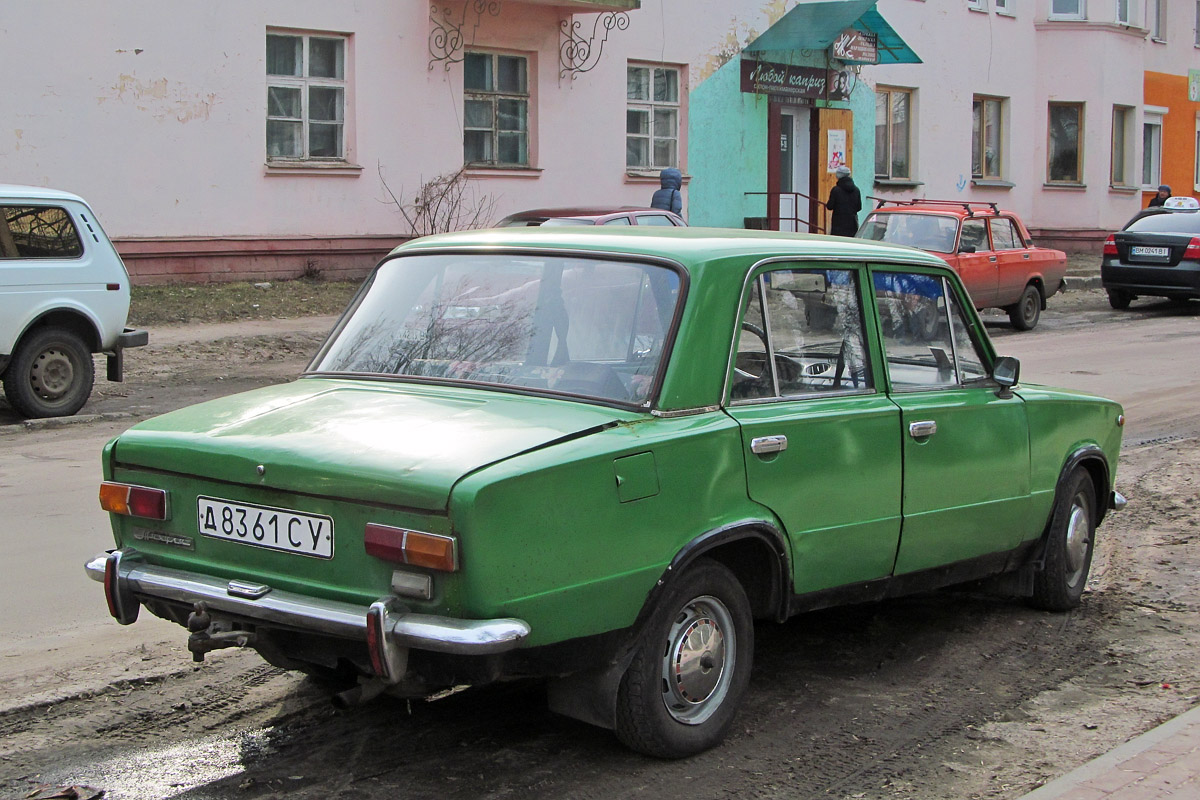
(1161, 763)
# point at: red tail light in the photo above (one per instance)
(133, 501)
(1192, 253)
(1110, 245)
(416, 548)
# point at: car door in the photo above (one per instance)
(965, 442)
(976, 263)
(1013, 261)
(820, 439)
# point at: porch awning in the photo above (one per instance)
(814, 26)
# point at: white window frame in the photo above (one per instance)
(1122, 147)
(1008, 7)
(1152, 130)
(1158, 29)
(494, 96)
(304, 83)
(1080, 11)
(1196, 177)
(650, 107)
(977, 5)
(1197, 23)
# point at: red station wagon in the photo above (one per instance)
(989, 248)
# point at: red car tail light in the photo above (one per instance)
(1192, 253)
(133, 501)
(415, 548)
(1110, 245)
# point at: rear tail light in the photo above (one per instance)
(415, 548)
(133, 501)
(1192, 253)
(1110, 245)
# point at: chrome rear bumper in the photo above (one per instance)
(127, 579)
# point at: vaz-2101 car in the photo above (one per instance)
(597, 457)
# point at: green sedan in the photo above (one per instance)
(596, 457)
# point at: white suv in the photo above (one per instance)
(64, 294)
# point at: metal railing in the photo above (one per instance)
(776, 220)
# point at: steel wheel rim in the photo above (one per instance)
(52, 373)
(1079, 540)
(1029, 309)
(698, 661)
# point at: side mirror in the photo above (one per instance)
(967, 248)
(1006, 372)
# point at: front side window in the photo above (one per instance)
(1068, 9)
(802, 335)
(927, 339)
(306, 97)
(893, 109)
(652, 117)
(1066, 137)
(1152, 152)
(1122, 119)
(986, 141)
(38, 232)
(581, 326)
(496, 112)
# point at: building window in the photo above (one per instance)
(1005, 7)
(1066, 137)
(1068, 9)
(1121, 140)
(987, 144)
(1196, 162)
(1158, 29)
(1197, 23)
(977, 5)
(652, 117)
(496, 109)
(1152, 150)
(1125, 12)
(893, 131)
(306, 96)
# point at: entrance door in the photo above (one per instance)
(795, 168)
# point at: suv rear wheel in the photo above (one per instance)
(50, 374)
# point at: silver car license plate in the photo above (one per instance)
(1157, 252)
(264, 526)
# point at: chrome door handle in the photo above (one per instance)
(768, 444)
(922, 429)
(991, 258)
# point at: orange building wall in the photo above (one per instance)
(1179, 132)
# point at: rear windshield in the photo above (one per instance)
(1171, 222)
(581, 326)
(926, 231)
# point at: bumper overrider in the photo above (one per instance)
(387, 628)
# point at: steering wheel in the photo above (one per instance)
(751, 328)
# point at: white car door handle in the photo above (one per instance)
(768, 444)
(922, 429)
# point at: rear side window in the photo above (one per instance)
(974, 235)
(38, 232)
(1171, 222)
(1004, 235)
(655, 219)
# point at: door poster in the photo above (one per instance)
(836, 149)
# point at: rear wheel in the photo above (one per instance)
(50, 375)
(682, 690)
(1119, 299)
(1025, 313)
(1069, 546)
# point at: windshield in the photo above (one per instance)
(581, 326)
(926, 231)
(1170, 222)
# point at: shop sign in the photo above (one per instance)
(1194, 85)
(787, 81)
(857, 46)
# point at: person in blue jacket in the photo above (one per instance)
(668, 197)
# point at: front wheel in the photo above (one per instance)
(1025, 313)
(1069, 546)
(682, 690)
(50, 375)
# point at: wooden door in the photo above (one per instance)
(831, 119)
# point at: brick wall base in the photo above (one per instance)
(205, 259)
(1090, 241)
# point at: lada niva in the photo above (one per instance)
(596, 457)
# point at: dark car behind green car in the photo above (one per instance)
(596, 457)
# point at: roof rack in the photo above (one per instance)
(967, 205)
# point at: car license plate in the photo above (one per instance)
(1158, 252)
(264, 526)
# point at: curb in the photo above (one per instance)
(50, 423)
(1076, 283)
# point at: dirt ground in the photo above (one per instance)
(941, 696)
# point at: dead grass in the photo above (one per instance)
(224, 302)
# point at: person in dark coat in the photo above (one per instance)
(1164, 192)
(668, 197)
(845, 201)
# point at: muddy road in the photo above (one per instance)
(947, 695)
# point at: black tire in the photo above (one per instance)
(1025, 313)
(692, 667)
(1070, 543)
(50, 374)
(1119, 299)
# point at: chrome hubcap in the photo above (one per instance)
(52, 374)
(1079, 541)
(698, 662)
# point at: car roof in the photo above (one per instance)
(692, 247)
(17, 191)
(580, 211)
(958, 208)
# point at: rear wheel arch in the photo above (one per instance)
(69, 320)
